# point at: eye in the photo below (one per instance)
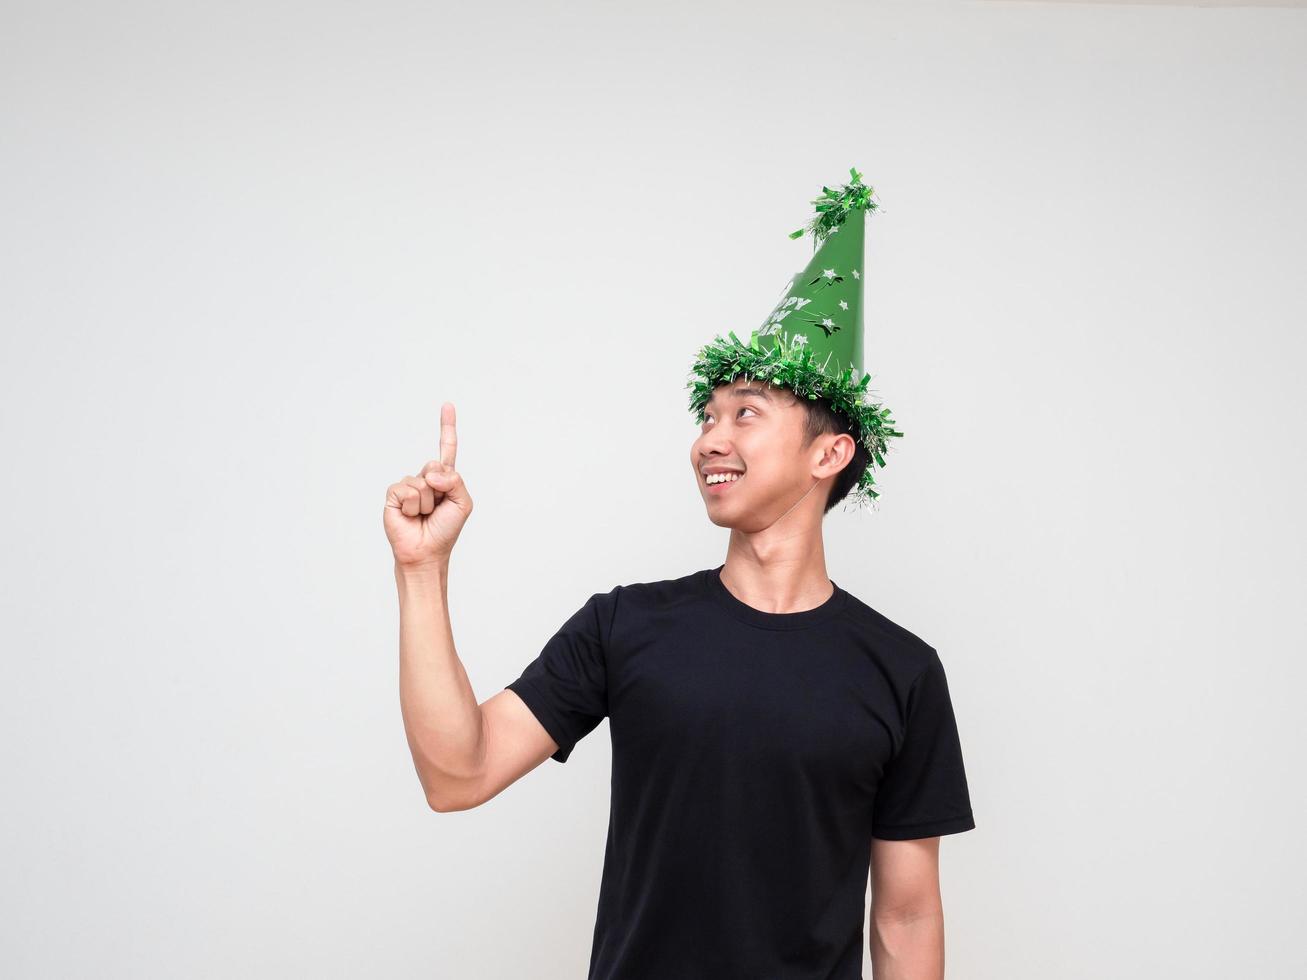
(743, 408)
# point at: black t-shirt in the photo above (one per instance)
(754, 757)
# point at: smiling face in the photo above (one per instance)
(752, 460)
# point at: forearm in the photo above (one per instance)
(442, 718)
(908, 947)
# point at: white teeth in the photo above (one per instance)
(722, 477)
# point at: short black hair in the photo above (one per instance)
(822, 420)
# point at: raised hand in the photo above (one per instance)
(424, 514)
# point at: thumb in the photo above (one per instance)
(449, 482)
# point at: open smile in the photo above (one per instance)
(722, 482)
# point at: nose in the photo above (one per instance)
(713, 443)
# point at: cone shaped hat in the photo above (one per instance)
(812, 341)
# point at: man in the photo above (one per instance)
(773, 737)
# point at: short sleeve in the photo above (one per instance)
(923, 790)
(566, 686)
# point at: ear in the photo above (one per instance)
(836, 451)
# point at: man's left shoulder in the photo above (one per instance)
(890, 640)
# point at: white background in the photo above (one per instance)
(250, 247)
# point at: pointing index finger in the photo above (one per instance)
(448, 435)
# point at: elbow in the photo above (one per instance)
(440, 805)
(448, 784)
(907, 913)
(448, 802)
(443, 807)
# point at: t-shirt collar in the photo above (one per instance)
(744, 612)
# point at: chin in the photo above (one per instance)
(728, 515)
(721, 516)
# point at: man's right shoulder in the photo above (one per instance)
(655, 595)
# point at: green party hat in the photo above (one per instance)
(811, 342)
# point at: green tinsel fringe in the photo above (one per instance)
(834, 206)
(790, 365)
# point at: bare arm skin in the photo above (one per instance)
(465, 753)
(907, 914)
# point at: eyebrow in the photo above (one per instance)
(745, 391)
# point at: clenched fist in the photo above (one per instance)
(424, 514)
